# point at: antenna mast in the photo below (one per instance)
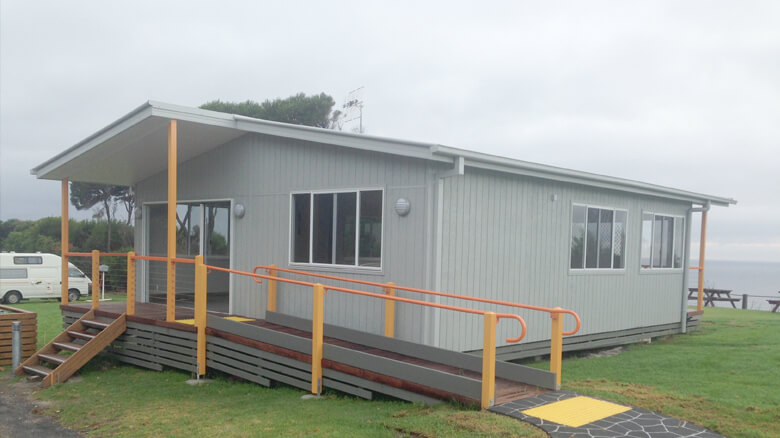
(353, 107)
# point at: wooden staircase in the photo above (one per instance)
(73, 348)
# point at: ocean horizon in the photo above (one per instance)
(760, 280)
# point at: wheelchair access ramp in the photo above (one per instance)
(358, 363)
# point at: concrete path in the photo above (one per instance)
(588, 423)
(21, 416)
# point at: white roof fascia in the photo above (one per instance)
(136, 116)
(299, 132)
(519, 167)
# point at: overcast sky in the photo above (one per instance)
(681, 94)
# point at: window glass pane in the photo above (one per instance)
(658, 226)
(619, 260)
(578, 237)
(28, 260)
(370, 228)
(187, 230)
(12, 273)
(346, 215)
(591, 244)
(605, 239)
(158, 222)
(647, 240)
(667, 243)
(322, 233)
(217, 236)
(73, 272)
(679, 226)
(300, 227)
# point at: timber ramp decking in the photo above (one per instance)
(278, 349)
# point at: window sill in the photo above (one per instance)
(660, 271)
(336, 269)
(604, 271)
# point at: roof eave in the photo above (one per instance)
(509, 165)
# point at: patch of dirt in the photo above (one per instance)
(22, 415)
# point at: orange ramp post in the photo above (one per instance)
(316, 338)
(390, 311)
(200, 312)
(489, 360)
(131, 283)
(556, 346)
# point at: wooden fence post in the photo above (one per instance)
(130, 283)
(95, 279)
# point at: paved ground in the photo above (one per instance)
(21, 416)
(634, 423)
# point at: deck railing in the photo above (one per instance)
(556, 332)
(490, 319)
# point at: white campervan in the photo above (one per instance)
(36, 275)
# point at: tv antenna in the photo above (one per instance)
(353, 107)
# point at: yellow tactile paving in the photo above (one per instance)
(232, 318)
(576, 411)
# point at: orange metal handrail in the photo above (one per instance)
(430, 292)
(381, 296)
(152, 258)
(102, 254)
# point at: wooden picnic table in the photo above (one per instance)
(712, 295)
(775, 303)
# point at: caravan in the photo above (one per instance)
(37, 275)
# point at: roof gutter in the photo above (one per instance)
(509, 165)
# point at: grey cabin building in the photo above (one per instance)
(253, 192)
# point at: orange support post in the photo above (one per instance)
(131, 283)
(316, 338)
(200, 312)
(170, 304)
(390, 310)
(64, 242)
(489, 360)
(272, 290)
(95, 279)
(556, 346)
(702, 246)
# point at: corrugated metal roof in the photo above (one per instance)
(121, 152)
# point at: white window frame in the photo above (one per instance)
(650, 267)
(311, 194)
(585, 269)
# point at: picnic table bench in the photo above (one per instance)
(712, 295)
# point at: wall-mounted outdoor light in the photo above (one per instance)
(403, 206)
(138, 213)
(239, 210)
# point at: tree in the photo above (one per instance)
(299, 109)
(84, 196)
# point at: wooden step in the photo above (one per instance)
(55, 359)
(95, 324)
(70, 346)
(37, 370)
(80, 335)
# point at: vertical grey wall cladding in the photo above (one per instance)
(505, 238)
(261, 171)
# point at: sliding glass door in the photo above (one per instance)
(201, 228)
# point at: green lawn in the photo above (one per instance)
(724, 377)
(123, 401)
